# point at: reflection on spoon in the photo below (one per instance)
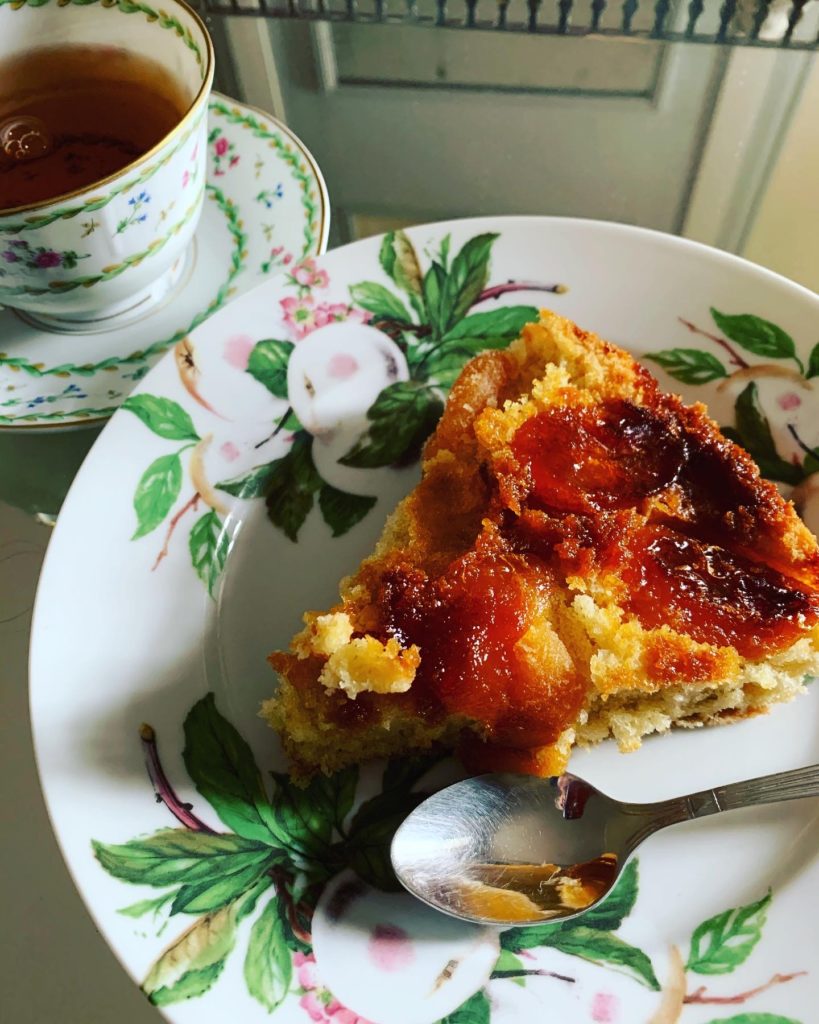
(512, 849)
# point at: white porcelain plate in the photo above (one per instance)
(266, 207)
(238, 483)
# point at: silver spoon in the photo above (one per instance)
(516, 850)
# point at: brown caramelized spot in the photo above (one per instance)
(713, 595)
(467, 624)
(596, 457)
(672, 663)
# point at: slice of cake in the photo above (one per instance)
(584, 557)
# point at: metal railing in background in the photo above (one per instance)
(784, 24)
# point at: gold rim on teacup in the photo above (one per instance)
(188, 116)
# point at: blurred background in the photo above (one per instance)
(629, 111)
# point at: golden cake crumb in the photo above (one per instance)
(585, 557)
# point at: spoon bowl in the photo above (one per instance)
(510, 849)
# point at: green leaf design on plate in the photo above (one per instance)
(163, 416)
(611, 913)
(474, 1011)
(813, 362)
(342, 511)
(378, 300)
(688, 365)
(466, 279)
(722, 943)
(509, 965)
(756, 335)
(222, 768)
(177, 855)
(157, 490)
(401, 419)
(306, 816)
(605, 948)
(195, 960)
(268, 365)
(755, 436)
(399, 261)
(210, 895)
(209, 544)
(505, 322)
(443, 252)
(143, 907)
(268, 967)
(755, 1018)
(254, 484)
(434, 285)
(291, 486)
(376, 820)
(473, 334)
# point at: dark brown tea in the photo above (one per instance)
(73, 115)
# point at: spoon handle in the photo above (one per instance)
(792, 785)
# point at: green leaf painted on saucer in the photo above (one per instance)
(722, 943)
(157, 490)
(163, 416)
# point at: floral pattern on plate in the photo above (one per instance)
(422, 329)
(709, 927)
(300, 861)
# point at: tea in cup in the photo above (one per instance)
(103, 125)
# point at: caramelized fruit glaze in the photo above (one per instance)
(611, 487)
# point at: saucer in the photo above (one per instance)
(266, 207)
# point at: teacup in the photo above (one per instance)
(66, 260)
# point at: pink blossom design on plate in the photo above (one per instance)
(220, 147)
(229, 451)
(604, 1009)
(790, 400)
(186, 177)
(302, 315)
(237, 350)
(308, 275)
(317, 1002)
